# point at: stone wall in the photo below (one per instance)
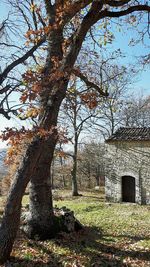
(128, 158)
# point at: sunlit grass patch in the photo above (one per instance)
(114, 235)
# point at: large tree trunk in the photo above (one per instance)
(40, 223)
(40, 220)
(11, 217)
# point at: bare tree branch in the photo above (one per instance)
(20, 60)
(89, 83)
(115, 3)
(117, 14)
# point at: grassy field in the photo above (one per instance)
(114, 235)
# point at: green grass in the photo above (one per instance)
(114, 235)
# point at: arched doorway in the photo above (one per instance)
(128, 189)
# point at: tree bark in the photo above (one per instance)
(40, 223)
(97, 175)
(74, 181)
(63, 176)
(74, 169)
(11, 217)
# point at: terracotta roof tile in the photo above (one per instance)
(131, 134)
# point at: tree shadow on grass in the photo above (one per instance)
(132, 238)
(32, 254)
(91, 245)
(17, 262)
(103, 250)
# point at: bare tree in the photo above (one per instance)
(91, 166)
(109, 115)
(136, 112)
(76, 114)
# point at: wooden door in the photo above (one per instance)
(128, 189)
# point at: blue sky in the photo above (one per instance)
(121, 41)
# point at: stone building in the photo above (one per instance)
(128, 166)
